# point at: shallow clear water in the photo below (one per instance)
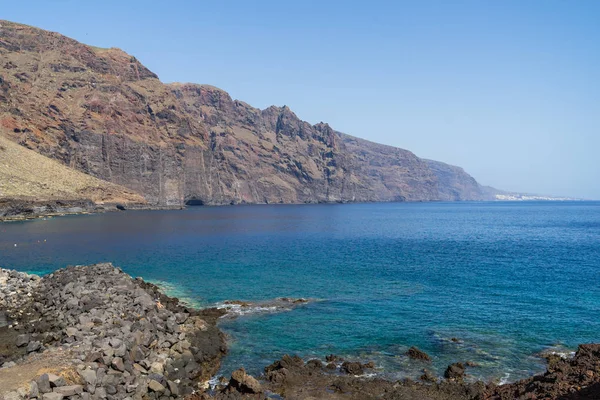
(507, 279)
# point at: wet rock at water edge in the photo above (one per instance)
(352, 367)
(428, 376)
(455, 372)
(287, 362)
(369, 365)
(314, 364)
(243, 383)
(331, 366)
(416, 354)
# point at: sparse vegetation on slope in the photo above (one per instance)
(25, 174)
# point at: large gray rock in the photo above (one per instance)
(22, 340)
(100, 393)
(53, 396)
(68, 391)
(89, 376)
(33, 390)
(173, 388)
(43, 383)
(156, 386)
(117, 363)
(33, 346)
(145, 301)
(56, 380)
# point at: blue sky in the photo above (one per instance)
(509, 90)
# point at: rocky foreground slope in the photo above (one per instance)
(96, 333)
(102, 112)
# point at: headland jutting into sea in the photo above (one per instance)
(94, 332)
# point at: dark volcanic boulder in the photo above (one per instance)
(417, 354)
(428, 376)
(455, 372)
(352, 368)
(314, 364)
(287, 362)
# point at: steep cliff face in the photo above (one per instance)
(390, 173)
(454, 184)
(103, 113)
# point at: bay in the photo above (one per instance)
(505, 280)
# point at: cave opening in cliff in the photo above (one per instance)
(194, 202)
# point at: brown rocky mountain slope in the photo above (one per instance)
(103, 113)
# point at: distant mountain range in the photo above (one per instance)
(102, 113)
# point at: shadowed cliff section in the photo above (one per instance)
(103, 113)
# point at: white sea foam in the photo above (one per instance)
(213, 382)
(369, 375)
(505, 379)
(236, 309)
(563, 354)
(559, 350)
(240, 310)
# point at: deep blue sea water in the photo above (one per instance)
(509, 280)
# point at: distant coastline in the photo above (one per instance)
(12, 210)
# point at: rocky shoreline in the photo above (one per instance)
(22, 210)
(114, 336)
(94, 332)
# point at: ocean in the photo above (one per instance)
(496, 284)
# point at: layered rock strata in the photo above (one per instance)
(101, 112)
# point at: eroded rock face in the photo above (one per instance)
(102, 112)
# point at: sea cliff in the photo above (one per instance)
(100, 112)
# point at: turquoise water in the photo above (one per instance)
(509, 280)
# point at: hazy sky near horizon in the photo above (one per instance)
(508, 90)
